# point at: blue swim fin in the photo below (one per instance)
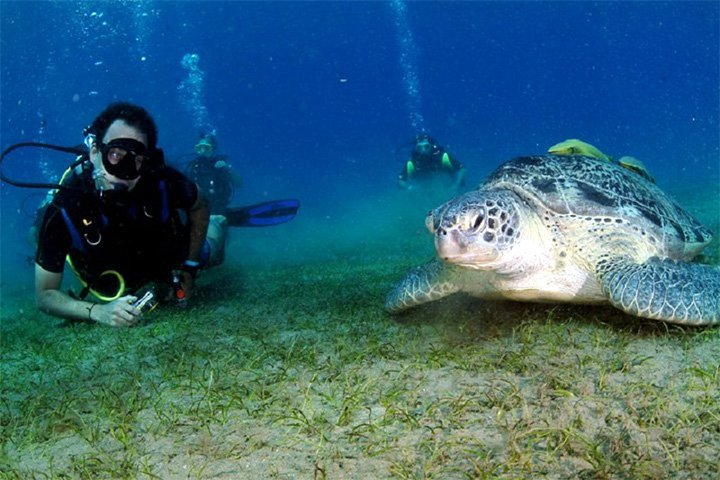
(264, 214)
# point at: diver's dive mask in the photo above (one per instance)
(425, 147)
(204, 148)
(124, 158)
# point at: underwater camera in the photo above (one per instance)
(147, 302)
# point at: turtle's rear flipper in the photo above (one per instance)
(421, 285)
(676, 292)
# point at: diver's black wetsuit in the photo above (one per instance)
(139, 234)
(215, 183)
(438, 160)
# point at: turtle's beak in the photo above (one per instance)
(455, 246)
(450, 243)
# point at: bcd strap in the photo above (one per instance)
(446, 160)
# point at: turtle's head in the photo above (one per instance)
(475, 229)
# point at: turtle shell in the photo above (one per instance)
(577, 187)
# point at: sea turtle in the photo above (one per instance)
(575, 229)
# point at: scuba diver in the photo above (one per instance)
(213, 174)
(428, 159)
(118, 223)
(134, 230)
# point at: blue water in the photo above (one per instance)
(312, 99)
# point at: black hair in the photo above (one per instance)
(133, 115)
(211, 138)
(425, 136)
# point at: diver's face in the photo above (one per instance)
(117, 130)
(205, 150)
(423, 147)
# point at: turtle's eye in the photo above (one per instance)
(479, 219)
(478, 222)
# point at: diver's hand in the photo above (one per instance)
(118, 313)
(187, 282)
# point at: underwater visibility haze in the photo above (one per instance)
(286, 365)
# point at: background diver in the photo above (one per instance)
(213, 174)
(429, 159)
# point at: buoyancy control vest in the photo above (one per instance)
(117, 245)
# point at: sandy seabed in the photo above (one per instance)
(286, 366)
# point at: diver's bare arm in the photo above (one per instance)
(460, 177)
(51, 300)
(199, 217)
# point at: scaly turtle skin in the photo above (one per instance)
(569, 229)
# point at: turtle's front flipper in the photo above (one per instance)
(422, 284)
(685, 293)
